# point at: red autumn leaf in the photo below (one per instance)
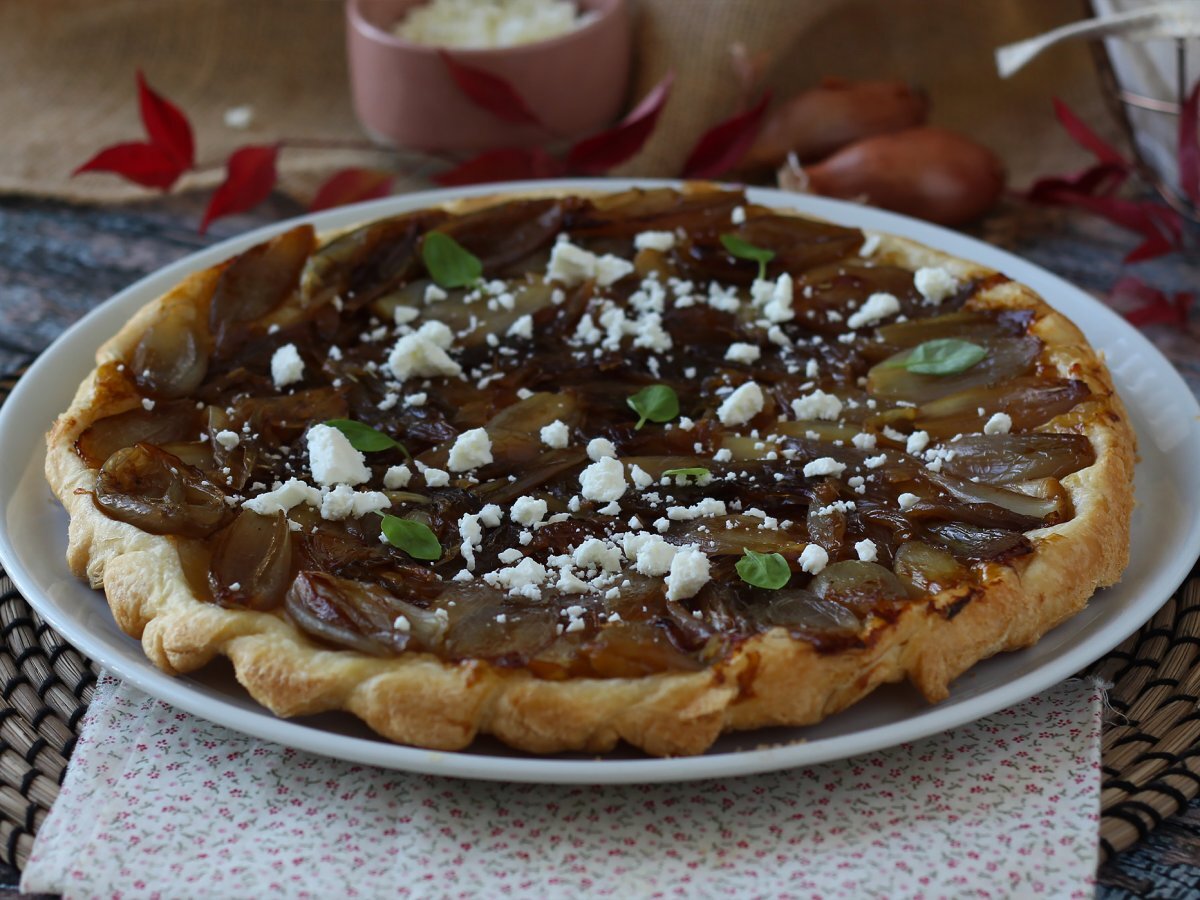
(490, 92)
(1189, 145)
(155, 163)
(249, 177)
(145, 164)
(723, 146)
(1085, 137)
(351, 186)
(166, 126)
(507, 164)
(1154, 306)
(600, 152)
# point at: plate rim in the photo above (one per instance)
(262, 724)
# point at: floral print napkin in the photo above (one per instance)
(159, 803)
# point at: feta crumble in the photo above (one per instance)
(471, 449)
(286, 366)
(332, 459)
(742, 405)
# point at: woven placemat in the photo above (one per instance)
(1150, 747)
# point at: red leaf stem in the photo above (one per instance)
(601, 152)
(1189, 145)
(249, 176)
(351, 186)
(489, 91)
(722, 146)
(1086, 138)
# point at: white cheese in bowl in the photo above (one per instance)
(489, 23)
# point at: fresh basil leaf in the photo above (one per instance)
(657, 403)
(942, 356)
(691, 471)
(764, 570)
(745, 250)
(414, 538)
(363, 437)
(449, 263)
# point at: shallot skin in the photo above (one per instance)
(930, 173)
(818, 121)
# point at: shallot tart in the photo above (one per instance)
(646, 466)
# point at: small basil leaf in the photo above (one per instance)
(449, 263)
(692, 471)
(363, 437)
(657, 403)
(764, 570)
(415, 539)
(943, 356)
(745, 250)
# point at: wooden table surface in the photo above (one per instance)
(58, 261)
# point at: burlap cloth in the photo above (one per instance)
(68, 66)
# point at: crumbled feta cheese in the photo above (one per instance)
(571, 265)
(603, 480)
(418, 399)
(528, 511)
(863, 441)
(524, 578)
(774, 298)
(813, 558)
(641, 478)
(723, 455)
(291, 493)
(510, 556)
(396, 477)
(343, 502)
(999, 423)
(935, 284)
(826, 465)
(405, 314)
(556, 434)
(423, 353)
(655, 240)
(818, 405)
(917, 442)
(874, 462)
(654, 556)
(688, 573)
(471, 449)
(709, 506)
(742, 405)
(332, 459)
(738, 216)
(743, 353)
(598, 448)
(908, 501)
(521, 328)
(147, 404)
(597, 554)
(402, 625)
(286, 366)
(866, 550)
(875, 309)
(227, 439)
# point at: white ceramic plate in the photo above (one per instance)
(1166, 541)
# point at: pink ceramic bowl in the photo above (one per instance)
(404, 95)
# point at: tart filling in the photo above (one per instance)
(589, 437)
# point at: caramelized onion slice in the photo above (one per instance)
(360, 615)
(251, 565)
(1008, 458)
(255, 283)
(1028, 401)
(159, 493)
(636, 649)
(171, 358)
(1006, 359)
(977, 542)
(169, 421)
(861, 587)
(927, 568)
(1049, 510)
(803, 611)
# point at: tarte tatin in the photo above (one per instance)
(571, 470)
